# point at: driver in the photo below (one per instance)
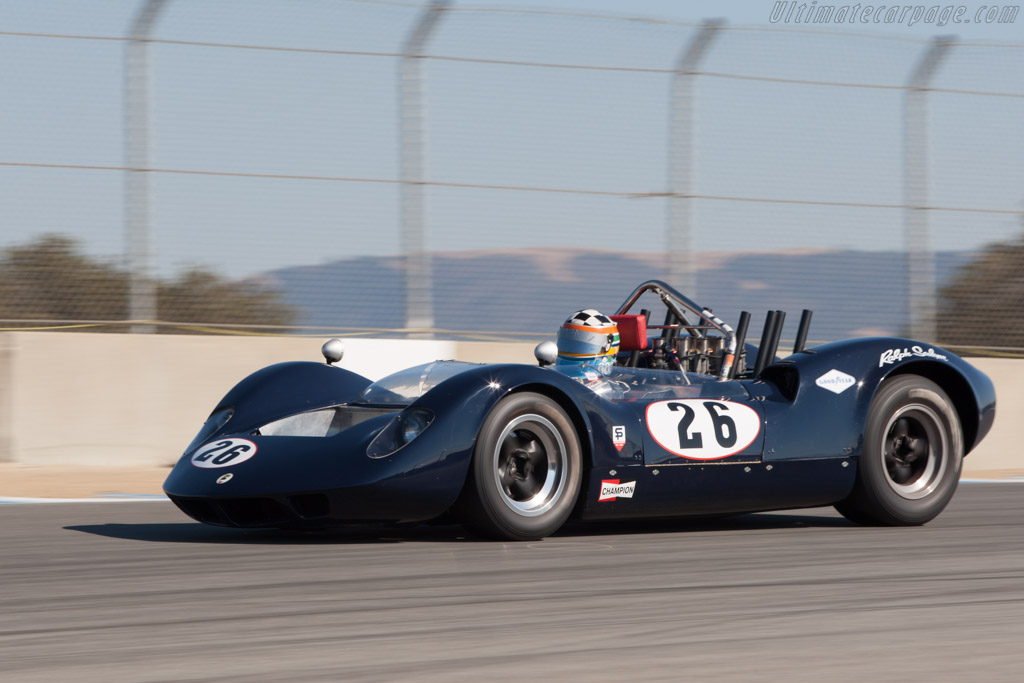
(587, 343)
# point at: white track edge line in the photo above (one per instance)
(10, 500)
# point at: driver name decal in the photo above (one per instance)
(891, 356)
(703, 429)
(224, 452)
(612, 489)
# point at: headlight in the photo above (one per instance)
(413, 424)
(210, 427)
(402, 429)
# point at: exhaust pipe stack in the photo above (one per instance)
(773, 333)
(801, 333)
(741, 339)
(763, 354)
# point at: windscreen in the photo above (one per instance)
(636, 384)
(405, 386)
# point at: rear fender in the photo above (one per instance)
(817, 401)
(971, 391)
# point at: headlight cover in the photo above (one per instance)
(211, 426)
(311, 423)
(402, 429)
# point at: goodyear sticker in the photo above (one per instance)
(835, 381)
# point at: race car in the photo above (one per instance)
(630, 415)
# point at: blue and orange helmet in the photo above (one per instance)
(587, 336)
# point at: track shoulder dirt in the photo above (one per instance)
(19, 481)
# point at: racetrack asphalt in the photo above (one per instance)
(137, 592)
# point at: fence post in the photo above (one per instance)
(418, 280)
(917, 233)
(682, 123)
(138, 242)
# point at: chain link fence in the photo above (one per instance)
(388, 167)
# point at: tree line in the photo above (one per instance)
(984, 303)
(51, 279)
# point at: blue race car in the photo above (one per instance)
(621, 418)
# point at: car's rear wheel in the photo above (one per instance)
(913, 451)
(526, 470)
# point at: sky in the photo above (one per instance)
(784, 127)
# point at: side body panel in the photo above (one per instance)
(710, 489)
(677, 478)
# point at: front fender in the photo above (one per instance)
(461, 403)
(285, 389)
(471, 395)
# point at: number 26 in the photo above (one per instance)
(724, 427)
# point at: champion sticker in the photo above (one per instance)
(612, 489)
(700, 429)
(223, 453)
(835, 381)
(619, 436)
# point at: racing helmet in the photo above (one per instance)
(587, 336)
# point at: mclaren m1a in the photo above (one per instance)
(688, 420)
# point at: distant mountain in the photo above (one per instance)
(852, 293)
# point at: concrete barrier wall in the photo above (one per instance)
(1000, 450)
(137, 400)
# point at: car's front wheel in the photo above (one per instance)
(913, 450)
(526, 470)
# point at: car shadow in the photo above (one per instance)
(194, 532)
(743, 522)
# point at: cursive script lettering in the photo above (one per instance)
(893, 355)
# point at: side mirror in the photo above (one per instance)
(546, 353)
(333, 351)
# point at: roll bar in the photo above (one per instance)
(679, 305)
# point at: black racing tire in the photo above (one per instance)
(913, 453)
(526, 470)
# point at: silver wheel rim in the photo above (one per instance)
(914, 451)
(529, 465)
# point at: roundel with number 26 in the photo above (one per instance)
(703, 429)
(224, 453)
